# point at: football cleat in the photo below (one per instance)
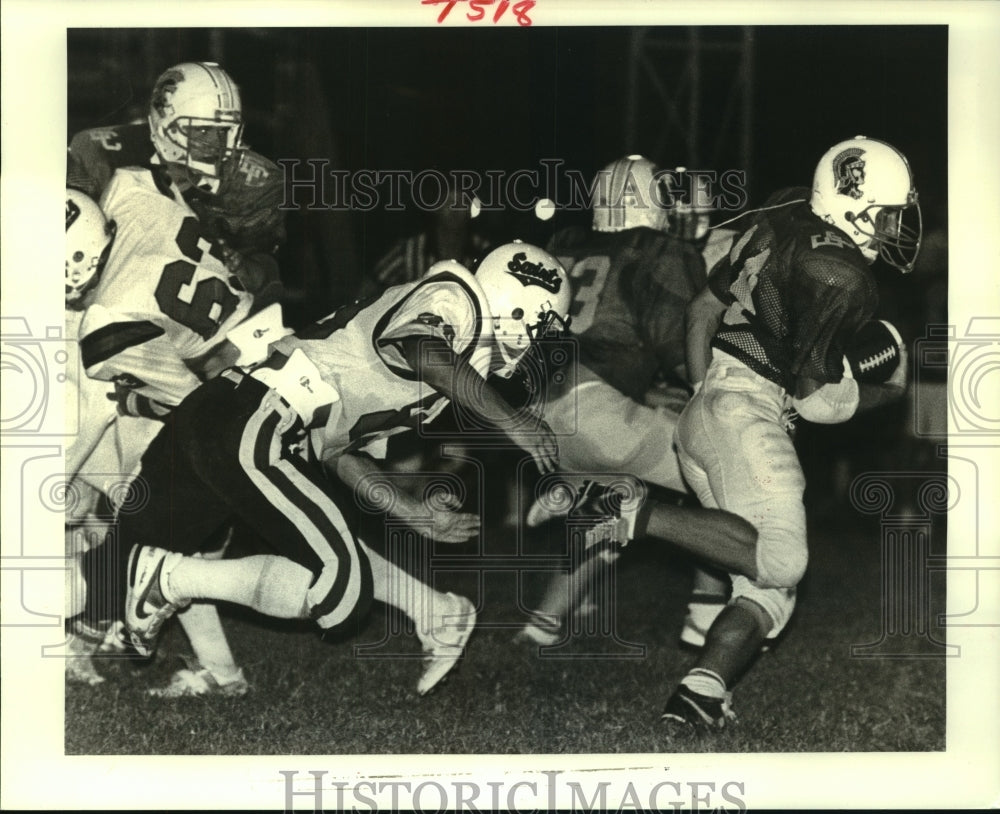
(544, 629)
(691, 708)
(445, 641)
(611, 510)
(80, 667)
(196, 680)
(115, 640)
(146, 608)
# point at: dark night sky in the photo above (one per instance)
(505, 98)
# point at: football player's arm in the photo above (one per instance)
(246, 222)
(838, 302)
(457, 380)
(441, 523)
(701, 322)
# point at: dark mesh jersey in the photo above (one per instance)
(630, 291)
(797, 288)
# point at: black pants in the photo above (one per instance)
(230, 449)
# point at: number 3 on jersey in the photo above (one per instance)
(200, 307)
(589, 275)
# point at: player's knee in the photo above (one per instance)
(782, 571)
(343, 591)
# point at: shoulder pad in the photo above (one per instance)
(445, 271)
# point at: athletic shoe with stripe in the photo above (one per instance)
(196, 680)
(454, 621)
(146, 608)
(691, 708)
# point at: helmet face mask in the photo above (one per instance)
(864, 187)
(689, 225)
(894, 233)
(89, 237)
(196, 121)
(528, 295)
(690, 220)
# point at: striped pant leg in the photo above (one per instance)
(249, 461)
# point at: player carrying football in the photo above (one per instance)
(785, 324)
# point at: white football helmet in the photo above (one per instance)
(864, 187)
(196, 120)
(629, 193)
(89, 235)
(528, 294)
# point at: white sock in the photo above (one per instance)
(204, 630)
(705, 682)
(273, 585)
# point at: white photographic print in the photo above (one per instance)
(507, 405)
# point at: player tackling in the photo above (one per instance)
(250, 443)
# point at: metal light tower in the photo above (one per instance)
(690, 94)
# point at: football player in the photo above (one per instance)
(769, 335)
(343, 385)
(634, 273)
(197, 217)
(89, 235)
(193, 133)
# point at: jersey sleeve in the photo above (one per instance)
(443, 309)
(88, 166)
(832, 298)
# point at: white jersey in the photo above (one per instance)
(165, 298)
(357, 353)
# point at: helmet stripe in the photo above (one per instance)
(222, 89)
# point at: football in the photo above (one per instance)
(874, 353)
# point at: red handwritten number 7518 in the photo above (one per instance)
(477, 12)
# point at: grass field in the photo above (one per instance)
(315, 696)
